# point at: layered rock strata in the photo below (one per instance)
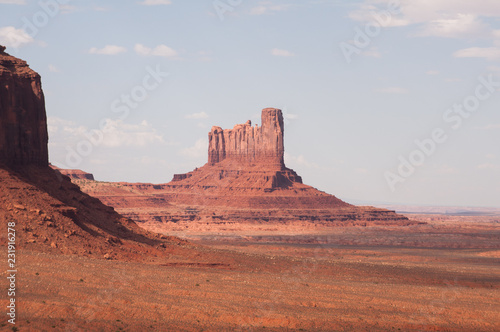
(74, 174)
(245, 181)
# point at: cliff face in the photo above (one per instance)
(246, 145)
(23, 122)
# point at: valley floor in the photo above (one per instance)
(258, 284)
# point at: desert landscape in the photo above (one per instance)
(240, 244)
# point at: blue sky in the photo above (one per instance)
(368, 88)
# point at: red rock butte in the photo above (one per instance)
(247, 145)
(253, 157)
(244, 181)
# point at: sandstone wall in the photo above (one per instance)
(244, 144)
(23, 122)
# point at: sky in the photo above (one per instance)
(385, 101)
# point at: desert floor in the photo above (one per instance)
(338, 279)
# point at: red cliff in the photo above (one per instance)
(23, 123)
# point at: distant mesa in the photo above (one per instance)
(74, 174)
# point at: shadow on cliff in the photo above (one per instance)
(48, 195)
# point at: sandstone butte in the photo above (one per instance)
(49, 212)
(245, 181)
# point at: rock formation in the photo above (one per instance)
(23, 123)
(246, 145)
(245, 181)
(74, 174)
(49, 212)
(253, 157)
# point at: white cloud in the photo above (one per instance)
(290, 116)
(199, 149)
(361, 170)
(366, 13)
(108, 50)
(201, 115)
(53, 69)
(12, 37)
(279, 52)
(491, 155)
(114, 133)
(491, 126)
(443, 18)
(68, 9)
(392, 90)
(489, 167)
(160, 50)
(55, 123)
(490, 53)
(458, 26)
(372, 52)
(267, 7)
(155, 2)
(142, 50)
(446, 169)
(453, 80)
(13, 2)
(100, 9)
(300, 160)
(117, 133)
(205, 56)
(438, 18)
(432, 72)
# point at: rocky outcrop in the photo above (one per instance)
(23, 123)
(245, 145)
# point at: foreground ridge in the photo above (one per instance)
(51, 213)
